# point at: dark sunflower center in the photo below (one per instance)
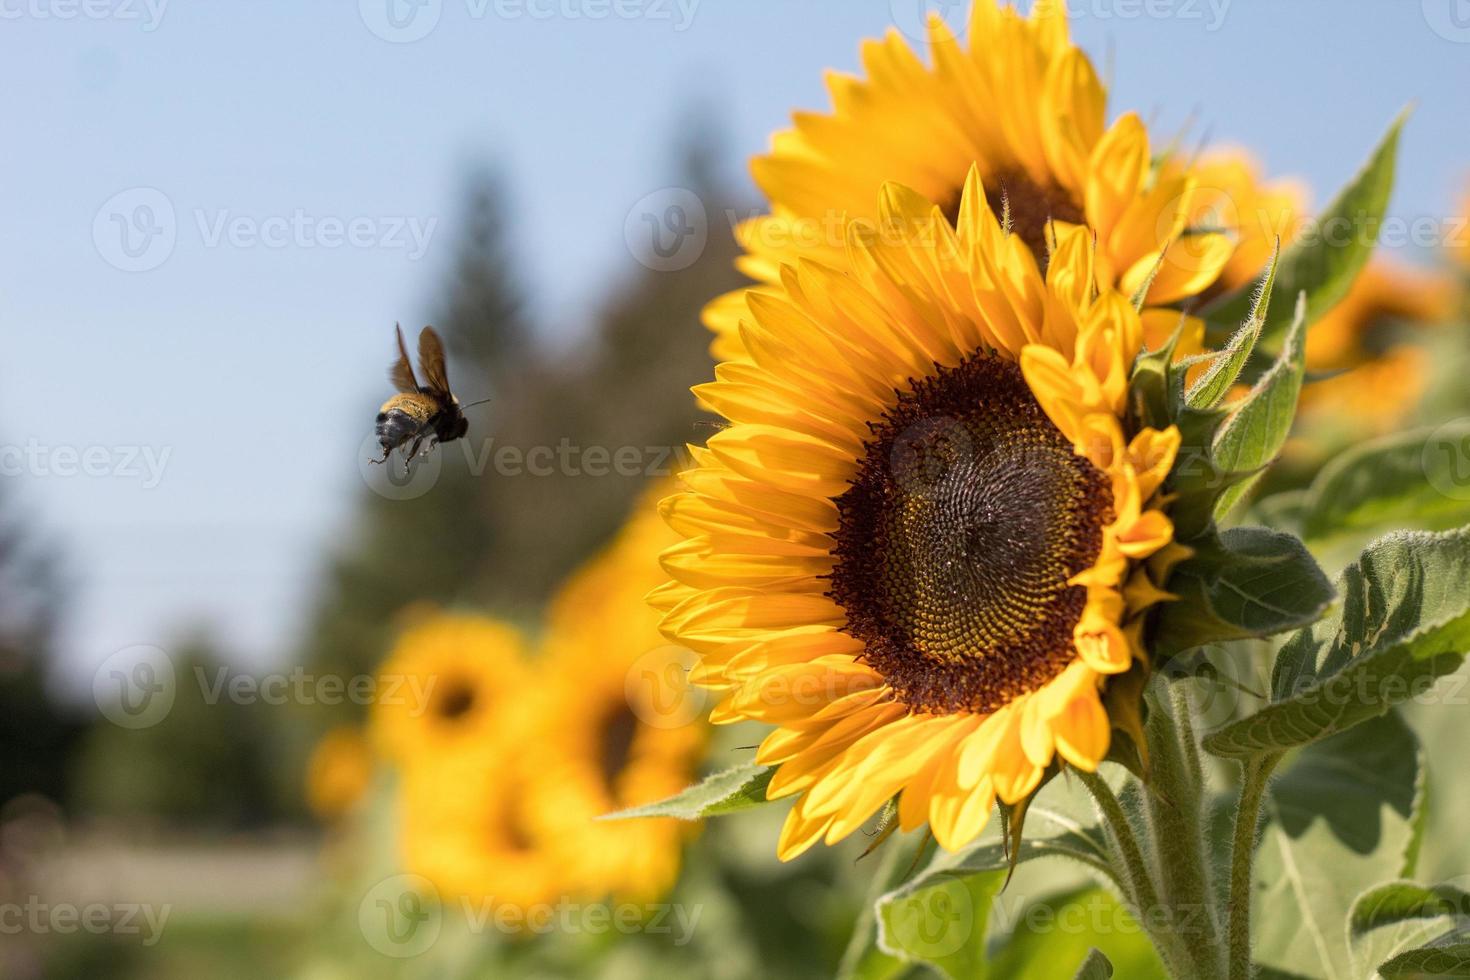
(969, 516)
(456, 699)
(618, 730)
(1031, 206)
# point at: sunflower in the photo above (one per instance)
(1376, 369)
(443, 685)
(338, 772)
(1231, 195)
(462, 825)
(919, 547)
(1019, 102)
(1458, 244)
(452, 717)
(618, 723)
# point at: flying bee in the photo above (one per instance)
(420, 416)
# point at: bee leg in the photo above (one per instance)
(411, 453)
(383, 458)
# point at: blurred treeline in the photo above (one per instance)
(475, 538)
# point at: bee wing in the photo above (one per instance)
(431, 361)
(401, 373)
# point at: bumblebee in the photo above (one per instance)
(420, 416)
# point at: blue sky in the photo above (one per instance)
(311, 155)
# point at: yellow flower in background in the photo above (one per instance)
(1019, 102)
(918, 550)
(446, 686)
(462, 825)
(617, 722)
(1377, 372)
(1459, 244)
(338, 772)
(1231, 195)
(452, 715)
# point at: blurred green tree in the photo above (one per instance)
(36, 735)
(427, 547)
(206, 764)
(490, 532)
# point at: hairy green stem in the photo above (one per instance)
(1254, 780)
(1176, 821)
(1138, 880)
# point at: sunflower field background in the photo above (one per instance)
(992, 528)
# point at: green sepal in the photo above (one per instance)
(1256, 430)
(1095, 967)
(1243, 583)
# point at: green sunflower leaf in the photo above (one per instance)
(1245, 582)
(728, 791)
(1415, 478)
(1342, 817)
(1323, 263)
(1404, 622)
(1398, 902)
(1447, 956)
(1095, 967)
(1086, 933)
(942, 919)
(941, 915)
(1252, 436)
